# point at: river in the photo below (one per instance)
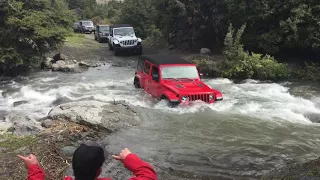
(257, 127)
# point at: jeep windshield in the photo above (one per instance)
(179, 72)
(87, 23)
(127, 31)
(104, 28)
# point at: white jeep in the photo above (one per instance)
(122, 38)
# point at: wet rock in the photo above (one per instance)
(47, 123)
(47, 64)
(61, 100)
(20, 124)
(18, 103)
(83, 64)
(205, 51)
(305, 171)
(67, 150)
(96, 114)
(315, 118)
(59, 57)
(75, 61)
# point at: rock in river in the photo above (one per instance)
(95, 114)
(18, 103)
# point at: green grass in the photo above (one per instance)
(12, 143)
(81, 41)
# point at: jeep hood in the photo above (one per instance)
(123, 38)
(188, 87)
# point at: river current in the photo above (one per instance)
(257, 127)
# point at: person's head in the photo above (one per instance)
(87, 161)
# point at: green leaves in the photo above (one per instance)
(32, 28)
(241, 64)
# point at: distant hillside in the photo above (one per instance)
(105, 1)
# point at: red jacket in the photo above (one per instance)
(141, 170)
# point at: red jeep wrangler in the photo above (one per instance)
(174, 79)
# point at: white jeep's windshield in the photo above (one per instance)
(125, 31)
(176, 72)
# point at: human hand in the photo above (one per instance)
(29, 160)
(124, 153)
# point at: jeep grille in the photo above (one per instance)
(128, 42)
(202, 97)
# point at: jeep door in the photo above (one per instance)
(154, 84)
(146, 77)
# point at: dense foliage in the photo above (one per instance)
(28, 29)
(283, 29)
(241, 64)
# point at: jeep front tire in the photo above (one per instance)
(116, 52)
(136, 83)
(110, 47)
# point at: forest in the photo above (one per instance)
(272, 32)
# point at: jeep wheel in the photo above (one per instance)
(136, 83)
(110, 47)
(99, 40)
(168, 102)
(139, 52)
(116, 52)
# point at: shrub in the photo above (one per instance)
(242, 65)
(311, 71)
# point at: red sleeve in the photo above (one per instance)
(35, 172)
(141, 170)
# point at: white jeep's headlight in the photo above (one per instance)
(115, 41)
(184, 98)
(211, 97)
(139, 40)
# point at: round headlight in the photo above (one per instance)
(211, 97)
(185, 98)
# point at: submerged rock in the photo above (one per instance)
(18, 103)
(97, 115)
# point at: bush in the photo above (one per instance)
(242, 65)
(206, 66)
(311, 71)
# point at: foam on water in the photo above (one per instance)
(269, 101)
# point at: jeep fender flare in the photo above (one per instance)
(170, 96)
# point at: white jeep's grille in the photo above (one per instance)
(128, 42)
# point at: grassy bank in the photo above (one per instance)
(80, 41)
(46, 146)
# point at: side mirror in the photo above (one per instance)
(111, 35)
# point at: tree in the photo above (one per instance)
(30, 29)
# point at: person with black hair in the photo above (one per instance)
(87, 164)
